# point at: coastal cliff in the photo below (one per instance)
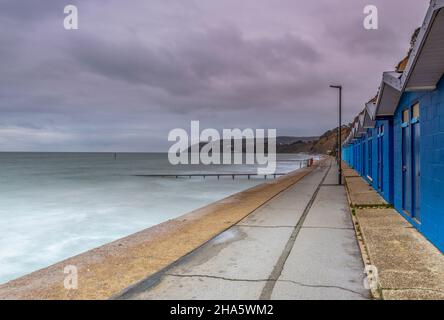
(325, 144)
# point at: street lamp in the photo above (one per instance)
(339, 133)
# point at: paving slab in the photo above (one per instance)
(412, 294)
(359, 184)
(201, 288)
(327, 258)
(367, 199)
(347, 171)
(350, 173)
(381, 218)
(300, 291)
(325, 254)
(333, 176)
(286, 208)
(361, 193)
(330, 210)
(241, 253)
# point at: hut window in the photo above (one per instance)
(405, 116)
(415, 111)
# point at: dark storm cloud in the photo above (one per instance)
(133, 71)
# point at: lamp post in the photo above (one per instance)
(339, 133)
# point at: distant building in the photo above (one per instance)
(397, 141)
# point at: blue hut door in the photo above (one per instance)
(406, 162)
(411, 164)
(361, 152)
(416, 164)
(380, 147)
(356, 157)
(370, 156)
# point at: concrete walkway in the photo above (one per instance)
(299, 245)
(407, 265)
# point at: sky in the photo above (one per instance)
(134, 70)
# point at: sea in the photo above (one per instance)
(56, 205)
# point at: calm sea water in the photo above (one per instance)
(56, 205)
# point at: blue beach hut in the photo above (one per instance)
(411, 106)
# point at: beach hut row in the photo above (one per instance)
(397, 142)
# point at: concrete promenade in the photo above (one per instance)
(301, 244)
(106, 271)
(289, 238)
